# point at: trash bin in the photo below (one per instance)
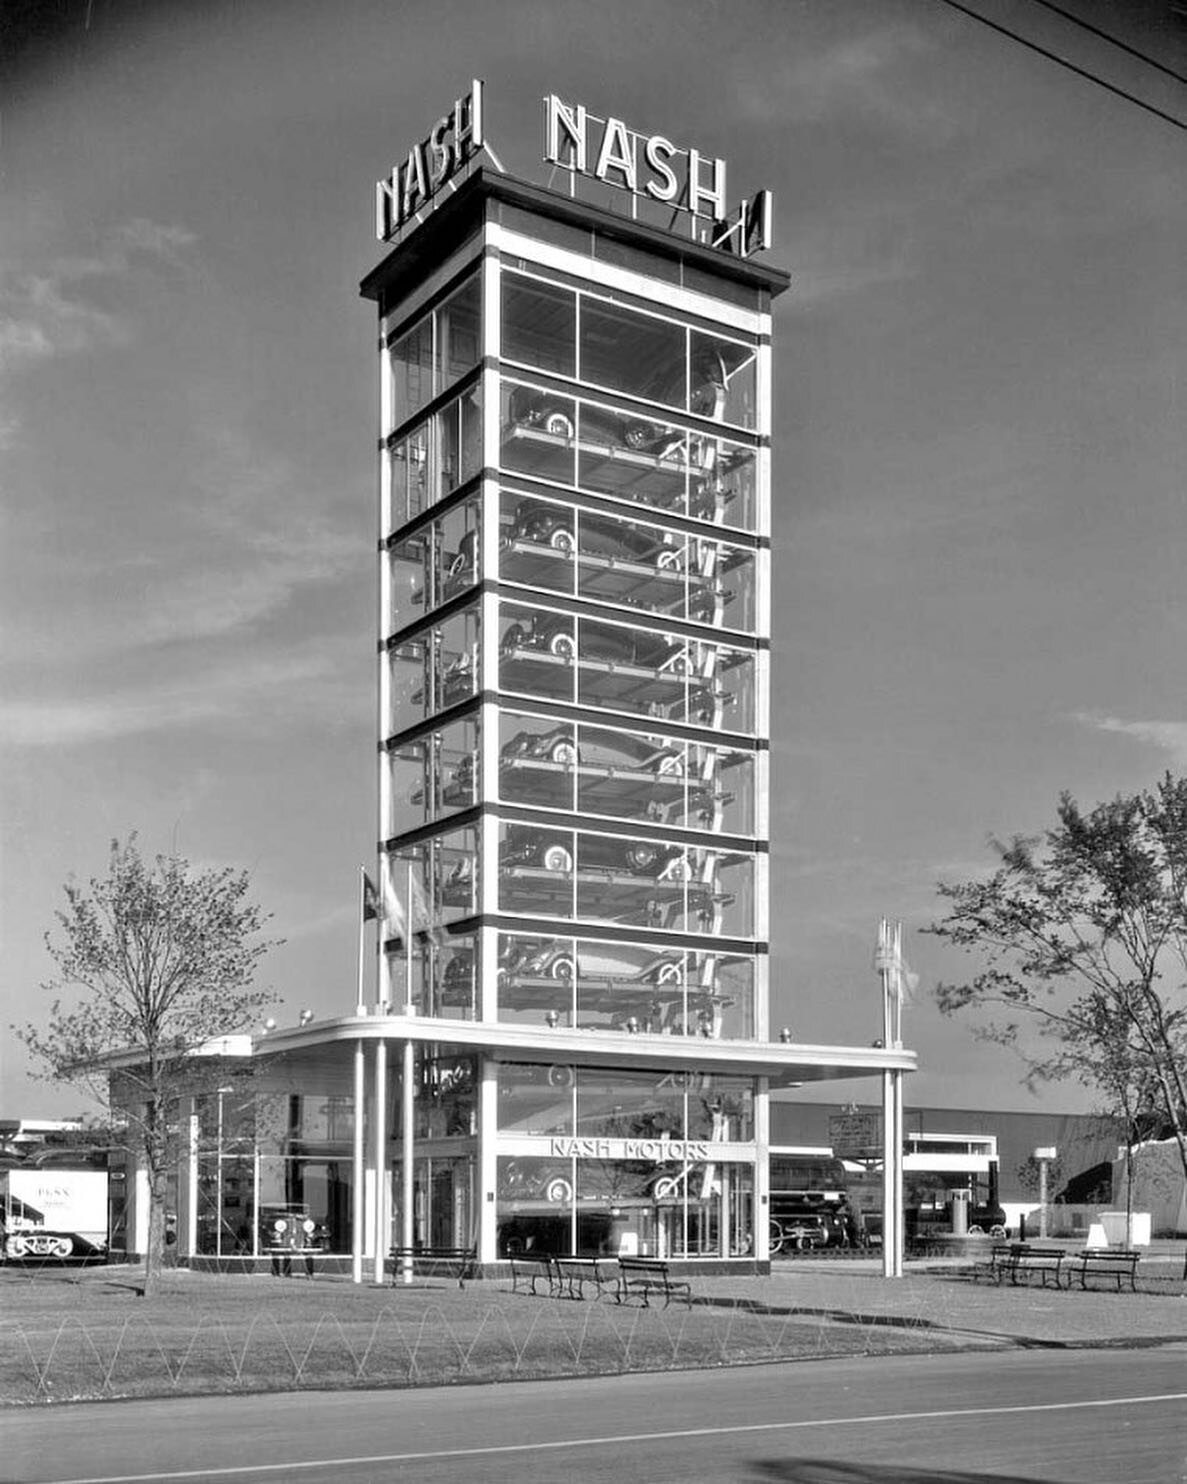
(960, 1213)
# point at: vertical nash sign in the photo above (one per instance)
(450, 144)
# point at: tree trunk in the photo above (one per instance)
(157, 1191)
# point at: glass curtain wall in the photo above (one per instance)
(574, 740)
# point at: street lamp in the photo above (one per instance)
(1044, 1156)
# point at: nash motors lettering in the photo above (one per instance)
(450, 144)
(652, 1151)
(652, 168)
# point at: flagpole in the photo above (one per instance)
(889, 1236)
(359, 1002)
(407, 1079)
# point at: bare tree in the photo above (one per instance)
(158, 960)
(1082, 935)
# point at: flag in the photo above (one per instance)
(370, 897)
(420, 919)
(889, 960)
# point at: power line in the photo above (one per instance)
(1112, 40)
(1063, 62)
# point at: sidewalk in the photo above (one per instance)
(939, 1293)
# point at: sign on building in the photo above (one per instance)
(856, 1135)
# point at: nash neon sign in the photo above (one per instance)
(431, 164)
(654, 169)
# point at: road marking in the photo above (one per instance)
(244, 1470)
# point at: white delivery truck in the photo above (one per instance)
(53, 1212)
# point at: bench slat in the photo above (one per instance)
(466, 1259)
(644, 1275)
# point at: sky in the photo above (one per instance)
(979, 452)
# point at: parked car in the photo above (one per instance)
(546, 524)
(554, 633)
(524, 845)
(555, 414)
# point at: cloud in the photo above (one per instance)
(47, 308)
(852, 77)
(1168, 736)
(169, 243)
(314, 682)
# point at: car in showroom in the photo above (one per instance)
(553, 633)
(529, 407)
(543, 523)
(552, 850)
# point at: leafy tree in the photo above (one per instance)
(1081, 933)
(158, 959)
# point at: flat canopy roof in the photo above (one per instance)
(455, 215)
(786, 1064)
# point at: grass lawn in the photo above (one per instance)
(84, 1333)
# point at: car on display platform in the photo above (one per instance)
(551, 850)
(553, 633)
(597, 749)
(543, 523)
(529, 407)
(555, 959)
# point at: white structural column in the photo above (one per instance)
(889, 1212)
(889, 963)
(406, 1212)
(380, 1105)
(358, 1194)
(897, 1082)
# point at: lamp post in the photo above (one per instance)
(1044, 1156)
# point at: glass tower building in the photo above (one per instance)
(575, 497)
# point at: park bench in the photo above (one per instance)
(1020, 1259)
(460, 1261)
(1116, 1263)
(648, 1275)
(1025, 1260)
(530, 1267)
(573, 1273)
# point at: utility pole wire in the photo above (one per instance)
(1063, 62)
(1112, 40)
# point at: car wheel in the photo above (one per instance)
(514, 637)
(641, 857)
(563, 752)
(559, 1192)
(776, 1238)
(559, 423)
(561, 539)
(668, 974)
(997, 1230)
(638, 435)
(561, 968)
(562, 645)
(668, 559)
(558, 858)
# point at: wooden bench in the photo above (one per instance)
(998, 1264)
(461, 1261)
(573, 1273)
(1025, 1259)
(1118, 1263)
(648, 1275)
(530, 1267)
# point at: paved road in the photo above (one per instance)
(1081, 1417)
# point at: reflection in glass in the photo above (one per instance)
(627, 351)
(539, 324)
